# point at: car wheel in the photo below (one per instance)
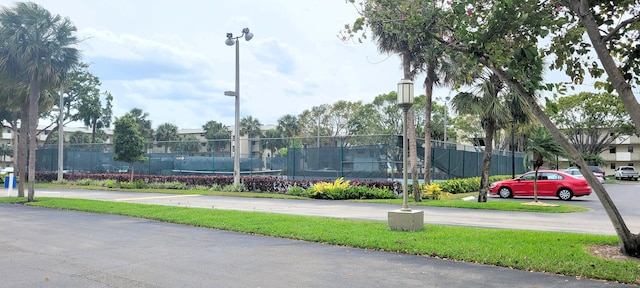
(565, 194)
(617, 178)
(505, 192)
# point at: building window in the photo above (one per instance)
(612, 149)
(613, 166)
(630, 149)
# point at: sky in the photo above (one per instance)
(169, 58)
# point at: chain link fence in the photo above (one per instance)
(351, 157)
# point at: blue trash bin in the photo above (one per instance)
(6, 182)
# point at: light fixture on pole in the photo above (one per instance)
(405, 219)
(236, 153)
(318, 110)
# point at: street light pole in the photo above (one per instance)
(405, 219)
(318, 110)
(513, 153)
(236, 153)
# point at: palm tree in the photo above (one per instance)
(215, 131)
(167, 132)
(493, 114)
(37, 50)
(144, 124)
(250, 126)
(288, 126)
(543, 146)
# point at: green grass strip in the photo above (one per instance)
(552, 252)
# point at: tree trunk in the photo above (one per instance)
(630, 242)
(131, 176)
(34, 95)
(535, 185)
(428, 84)
(489, 129)
(94, 123)
(413, 155)
(22, 145)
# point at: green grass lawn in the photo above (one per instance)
(552, 252)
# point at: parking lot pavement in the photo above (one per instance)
(58, 248)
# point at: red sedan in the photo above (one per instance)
(551, 183)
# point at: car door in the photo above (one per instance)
(548, 183)
(524, 186)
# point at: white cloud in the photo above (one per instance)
(169, 58)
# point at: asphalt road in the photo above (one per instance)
(52, 248)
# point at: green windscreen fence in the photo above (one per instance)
(352, 157)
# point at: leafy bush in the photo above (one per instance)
(432, 191)
(234, 188)
(168, 185)
(297, 191)
(137, 184)
(215, 187)
(109, 183)
(83, 182)
(467, 185)
(62, 182)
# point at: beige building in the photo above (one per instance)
(624, 151)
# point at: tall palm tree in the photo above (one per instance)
(288, 126)
(250, 126)
(542, 146)
(38, 50)
(490, 108)
(168, 133)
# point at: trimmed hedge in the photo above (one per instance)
(269, 183)
(252, 183)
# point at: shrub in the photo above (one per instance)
(297, 191)
(234, 188)
(137, 184)
(215, 187)
(432, 191)
(168, 185)
(83, 182)
(109, 183)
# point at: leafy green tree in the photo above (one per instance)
(272, 140)
(288, 126)
(167, 135)
(251, 127)
(189, 145)
(37, 51)
(216, 131)
(129, 145)
(542, 146)
(144, 124)
(591, 121)
(80, 139)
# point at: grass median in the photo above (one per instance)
(551, 252)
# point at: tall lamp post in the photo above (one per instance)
(405, 101)
(405, 219)
(318, 110)
(236, 153)
(513, 152)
